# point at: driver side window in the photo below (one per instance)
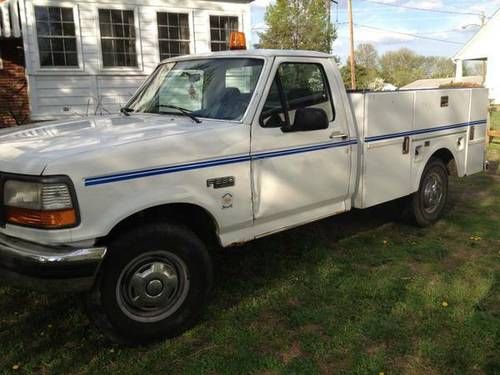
(296, 86)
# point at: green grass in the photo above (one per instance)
(495, 120)
(354, 294)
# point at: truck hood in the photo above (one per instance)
(28, 149)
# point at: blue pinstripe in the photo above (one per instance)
(100, 180)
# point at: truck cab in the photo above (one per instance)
(217, 148)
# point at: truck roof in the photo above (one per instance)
(255, 53)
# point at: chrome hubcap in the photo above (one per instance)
(153, 286)
(433, 192)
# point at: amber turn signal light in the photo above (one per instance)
(41, 219)
(237, 41)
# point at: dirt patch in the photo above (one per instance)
(294, 352)
(333, 368)
(413, 365)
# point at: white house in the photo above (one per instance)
(484, 47)
(89, 56)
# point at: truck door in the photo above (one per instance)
(299, 174)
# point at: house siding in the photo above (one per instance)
(90, 88)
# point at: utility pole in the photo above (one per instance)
(351, 37)
(484, 65)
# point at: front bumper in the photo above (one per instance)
(49, 268)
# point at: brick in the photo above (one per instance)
(13, 85)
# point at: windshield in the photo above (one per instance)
(210, 88)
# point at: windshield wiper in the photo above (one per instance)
(184, 111)
(126, 111)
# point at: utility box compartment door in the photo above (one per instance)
(477, 132)
(388, 121)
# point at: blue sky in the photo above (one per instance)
(456, 28)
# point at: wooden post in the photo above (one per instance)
(351, 37)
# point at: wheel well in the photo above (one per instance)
(196, 218)
(448, 159)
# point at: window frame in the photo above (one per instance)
(34, 37)
(138, 39)
(189, 14)
(222, 14)
(284, 100)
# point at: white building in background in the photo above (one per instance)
(484, 47)
(89, 56)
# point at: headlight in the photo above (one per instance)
(47, 205)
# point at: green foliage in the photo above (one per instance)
(439, 67)
(402, 67)
(298, 24)
(363, 76)
(495, 120)
(460, 85)
(367, 56)
(399, 67)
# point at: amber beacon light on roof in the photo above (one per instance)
(237, 41)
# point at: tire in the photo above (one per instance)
(152, 285)
(426, 206)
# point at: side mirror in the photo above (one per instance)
(307, 119)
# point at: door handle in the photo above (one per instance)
(338, 135)
(406, 146)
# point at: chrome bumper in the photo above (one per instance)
(50, 268)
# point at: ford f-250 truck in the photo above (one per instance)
(228, 146)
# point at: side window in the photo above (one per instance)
(296, 86)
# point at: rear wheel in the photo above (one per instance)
(153, 284)
(426, 205)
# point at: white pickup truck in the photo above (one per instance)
(229, 147)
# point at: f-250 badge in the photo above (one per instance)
(227, 201)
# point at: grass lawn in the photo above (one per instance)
(495, 120)
(356, 293)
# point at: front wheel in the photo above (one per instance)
(153, 284)
(426, 205)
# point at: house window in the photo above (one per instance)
(220, 29)
(173, 34)
(55, 28)
(117, 38)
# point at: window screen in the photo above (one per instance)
(220, 30)
(173, 34)
(56, 35)
(117, 38)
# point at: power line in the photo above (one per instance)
(409, 34)
(422, 9)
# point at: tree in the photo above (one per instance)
(367, 56)
(439, 67)
(402, 67)
(298, 24)
(362, 76)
